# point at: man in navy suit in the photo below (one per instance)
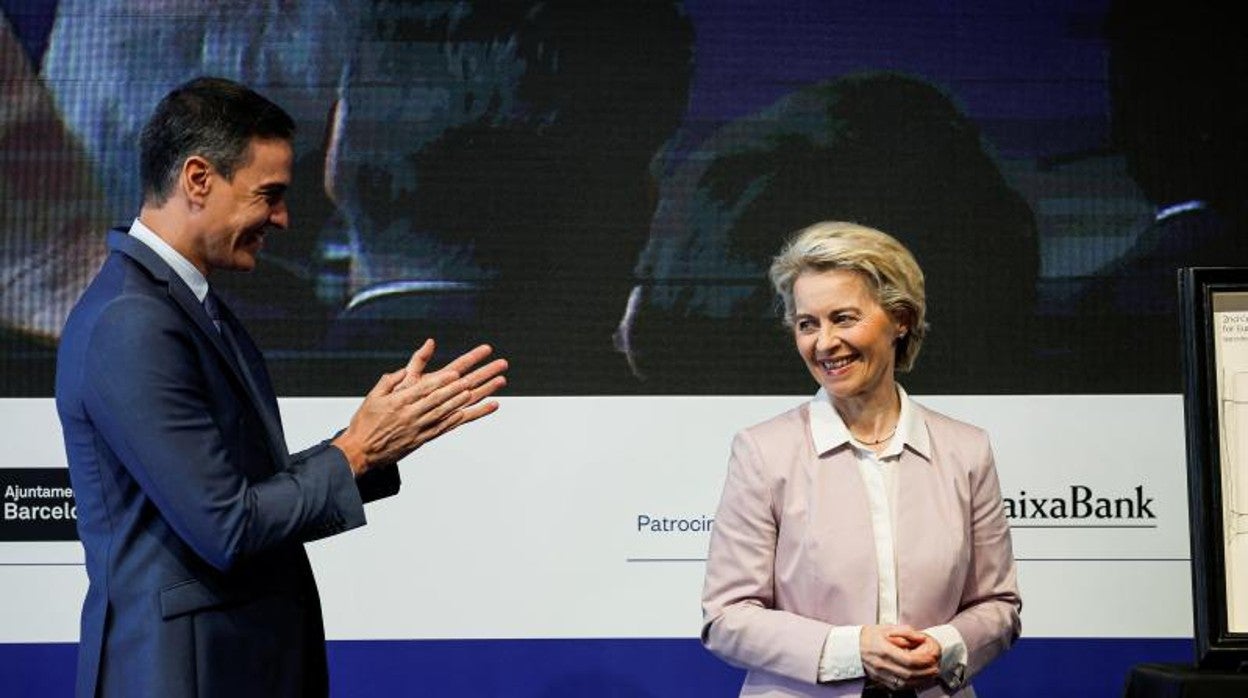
(191, 511)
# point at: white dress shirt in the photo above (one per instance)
(181, 265)
(841, 658)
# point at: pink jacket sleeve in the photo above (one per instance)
(739, 622)
(988, 611)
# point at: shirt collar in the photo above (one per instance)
(181, 265)
(828, 430)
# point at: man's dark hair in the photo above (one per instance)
(211, 117)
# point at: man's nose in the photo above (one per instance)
(279, 216)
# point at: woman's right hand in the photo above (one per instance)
(897, 656)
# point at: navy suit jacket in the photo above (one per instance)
(191, 511)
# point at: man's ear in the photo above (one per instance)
(196, 179)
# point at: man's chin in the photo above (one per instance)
(242, 261)
(246, 252)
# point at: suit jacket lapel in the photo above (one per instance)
(256, 376)
(260, 392)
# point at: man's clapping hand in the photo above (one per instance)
(409, 407)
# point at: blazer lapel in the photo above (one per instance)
(258, 391)
(929, 533)
(840, 540)
(256, 376)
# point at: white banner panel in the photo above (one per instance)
(589, 517)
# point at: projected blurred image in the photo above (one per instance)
(882, 150)
(595, 188)
(459, 166)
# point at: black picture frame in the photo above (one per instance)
(1203, 294)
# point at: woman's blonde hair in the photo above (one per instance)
(890, 270)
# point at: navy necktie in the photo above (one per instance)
(212, 305)
(213, 309)
(261, 398)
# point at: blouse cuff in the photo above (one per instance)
(841, 658)
(952, 655)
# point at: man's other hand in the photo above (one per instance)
(408, 407)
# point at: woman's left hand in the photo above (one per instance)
(922, 648)
(898, 656)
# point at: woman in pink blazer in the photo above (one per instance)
(860, 546)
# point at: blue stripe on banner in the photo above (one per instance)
(1040, 667)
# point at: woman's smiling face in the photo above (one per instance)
(845, 337)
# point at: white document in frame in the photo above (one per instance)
(1235, 496)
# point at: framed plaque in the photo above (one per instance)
(1214, 318)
